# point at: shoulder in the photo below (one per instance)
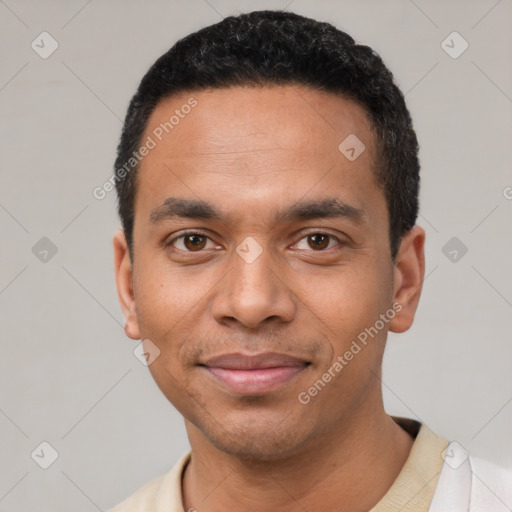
(144, 499)
(491, 486)
(160, 494)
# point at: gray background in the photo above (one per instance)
(69, 376)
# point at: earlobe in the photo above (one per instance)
(124, 280)
(409, 272)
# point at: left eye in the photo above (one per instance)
(317, 242)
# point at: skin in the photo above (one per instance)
(252, 153)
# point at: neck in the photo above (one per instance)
(349, 469)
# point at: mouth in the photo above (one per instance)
(254, 374)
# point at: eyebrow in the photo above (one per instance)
(322, 209)
(174, 207)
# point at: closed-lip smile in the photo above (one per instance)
(254, 374)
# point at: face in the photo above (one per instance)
(261, 255)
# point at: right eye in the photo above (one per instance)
(191, 242)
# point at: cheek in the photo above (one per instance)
(166, 317)
(351, 306)
(175, 385)
(351, 299)
(165, 300)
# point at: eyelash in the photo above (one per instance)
(183, 235)
(199, 233)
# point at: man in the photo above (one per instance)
(268, 182)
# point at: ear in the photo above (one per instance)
(124, 280)
(409, 273)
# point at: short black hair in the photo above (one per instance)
(281, 48)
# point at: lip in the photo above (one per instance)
(254, 374)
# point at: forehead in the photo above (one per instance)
(243, 118)
(252, 141)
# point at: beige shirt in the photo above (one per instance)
(414, 487)
(412, 490)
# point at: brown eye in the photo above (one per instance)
(318, 241)
(194, 242)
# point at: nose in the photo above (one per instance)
(254, 293)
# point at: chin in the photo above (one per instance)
(258, 446)
(262, 438)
